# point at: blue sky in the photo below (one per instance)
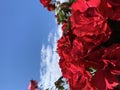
(24, 26)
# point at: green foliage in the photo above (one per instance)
(64, 11)
(61, 17)
(60, 83)
(61, 88)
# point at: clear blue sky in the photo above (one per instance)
(24, 26)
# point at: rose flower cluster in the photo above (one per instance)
(89, 48)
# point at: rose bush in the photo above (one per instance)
(89, 56)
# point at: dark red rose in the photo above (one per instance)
(45, 2)
(109, 62)
(104, 80)
(90, 26)
(51, 7)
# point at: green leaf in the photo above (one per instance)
(61, 88)
(60, 16)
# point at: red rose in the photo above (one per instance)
(90, 26)
(51, 7)
(45, 2)
(105, 78)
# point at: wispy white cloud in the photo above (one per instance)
(49, 68)
(50, 36)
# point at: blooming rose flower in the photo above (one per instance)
(51, 7)
(90, 26)
(104, 78)
(107, 80)
(45, 2)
